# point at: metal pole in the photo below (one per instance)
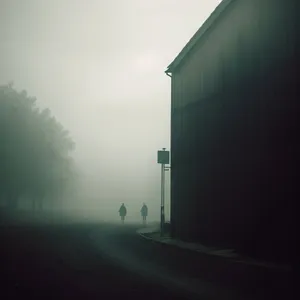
(162, 206)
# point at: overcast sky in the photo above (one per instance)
(99, 66)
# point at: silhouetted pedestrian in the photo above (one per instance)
(123, 212)
(144, 213)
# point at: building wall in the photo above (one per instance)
(234, 130)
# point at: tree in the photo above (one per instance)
(35, 150)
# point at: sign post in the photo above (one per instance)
(163, 159)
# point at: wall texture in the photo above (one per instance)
(235, 128)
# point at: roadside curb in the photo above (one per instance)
(227, 271)
(213, 254)
(144, 236)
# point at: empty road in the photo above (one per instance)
(89, 261)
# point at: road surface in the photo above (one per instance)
(89, 261)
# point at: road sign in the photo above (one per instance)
(163, 157)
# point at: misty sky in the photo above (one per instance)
(99, 66)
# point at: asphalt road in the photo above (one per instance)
(89, 261)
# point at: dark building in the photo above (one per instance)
(235, 129)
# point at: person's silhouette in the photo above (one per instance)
(144, 213)
(122, 212)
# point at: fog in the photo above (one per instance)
(99, 67)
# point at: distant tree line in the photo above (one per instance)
(35, 148)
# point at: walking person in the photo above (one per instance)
(123, 212)
(144, 213)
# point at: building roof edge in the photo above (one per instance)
(198, 35)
